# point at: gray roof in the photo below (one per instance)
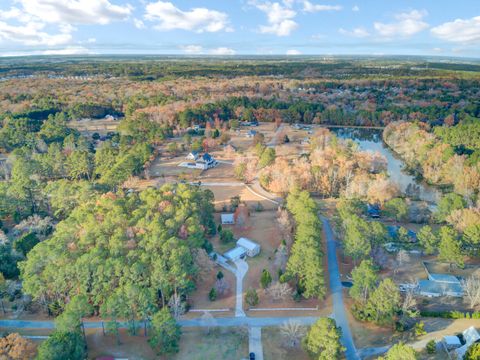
(235, 253)
(444, 278)
(439, 288)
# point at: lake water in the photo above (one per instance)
(371, 140)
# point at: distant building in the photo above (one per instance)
(227, 219)
(251, 247)
(251, 133)
(206, 161)
(373, 210)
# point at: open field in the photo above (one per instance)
(223, 194)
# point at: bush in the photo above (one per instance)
(251, 297)
(226, 236)
(420, 329)
(431, 347)
(212, 295)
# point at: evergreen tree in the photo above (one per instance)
(322, 341)
(165, 333)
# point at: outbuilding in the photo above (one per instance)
(236, 253)
(252, 248)
(227, 219)
(451, 342)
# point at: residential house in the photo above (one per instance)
(206, 161)
(251, 247)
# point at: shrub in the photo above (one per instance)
(212, 295)
(226, 236)
(431, 347)
(251, 297)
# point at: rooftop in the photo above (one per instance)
(235, 253)
(247, 243)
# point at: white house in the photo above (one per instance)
(227, 219)
(251, 247)
(193, 155)
(206, 161)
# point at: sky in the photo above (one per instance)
(240, 27)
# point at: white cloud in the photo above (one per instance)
(32, 34)
(359, 32)
(279, 18)
(69, 50)
(223, 51)
(293, 52)
(192, 49)
(76, 11)
(138, 23)
(407, 24)
(32, 17)
(459, 30)
(200, 20)
(355, 8)
(91, 40)
(72, 50)
(310, 7)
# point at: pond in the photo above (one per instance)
(371, 140)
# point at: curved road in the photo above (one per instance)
(339, 311)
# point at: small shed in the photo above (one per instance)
(236, 253)
(227, 219)
(252, 248)
(470, 336)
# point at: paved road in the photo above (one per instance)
(255, 342)
(198, 322)
(339, 311)
(201, 183)
(241, 271)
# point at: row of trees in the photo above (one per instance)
(304, 265)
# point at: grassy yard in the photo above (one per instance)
(220, 343)
(274, 347)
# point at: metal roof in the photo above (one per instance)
(247, 243)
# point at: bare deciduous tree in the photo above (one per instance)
(292, 332)
(471, 286)
(222, 286)
(204, 263)
(208, 322)
(279, 291)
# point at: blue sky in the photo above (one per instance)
(228, 27)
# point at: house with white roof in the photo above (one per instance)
(252, 247)
(245, 247)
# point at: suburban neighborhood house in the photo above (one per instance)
(204, 162)
(244, 247)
